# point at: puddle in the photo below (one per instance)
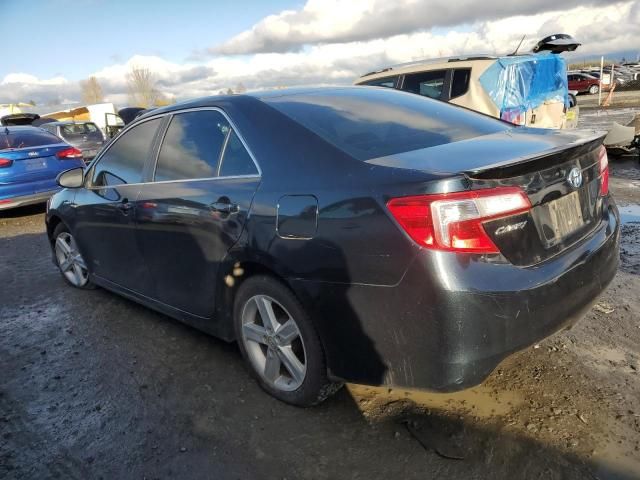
(480, 401)
(616, 461)
(629, 213)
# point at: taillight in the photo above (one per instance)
(604, 171)
(453, 221)
(69, 153)
(5, 162)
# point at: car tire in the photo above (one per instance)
(283, 352)
(69, 260)
(593, 89)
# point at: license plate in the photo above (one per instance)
(89, 153)
(565, 215)
(35, 164)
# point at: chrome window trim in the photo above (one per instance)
(171, 115)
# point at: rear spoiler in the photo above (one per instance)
(545, 159)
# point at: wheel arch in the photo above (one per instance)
(237, 269)
(52, 222)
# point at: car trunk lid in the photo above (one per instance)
(564, 188)
(32, 164)
(545, 165)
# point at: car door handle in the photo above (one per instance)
(225, 207)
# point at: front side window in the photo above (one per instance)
(427, 84)
(192, 146)
(124, 161)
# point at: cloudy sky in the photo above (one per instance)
(198, 47)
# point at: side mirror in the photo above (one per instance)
(73, 178)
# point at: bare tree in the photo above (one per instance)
(240, 88)
(91, 91)
(142, 87)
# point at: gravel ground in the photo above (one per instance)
(95, 386)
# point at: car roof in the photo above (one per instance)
(241, 99)
(432, 62)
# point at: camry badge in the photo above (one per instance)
(575, 177)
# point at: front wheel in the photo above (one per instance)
(593, 89)
(69, 259)
(280, 344)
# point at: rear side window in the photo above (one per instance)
(460, 82)
(124, 161)
(23, 138)
(369, 122)
(192, 146)
(80, 131)
(236, 159)
(388, 82)
(427, 84)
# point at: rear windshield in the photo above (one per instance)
(10, 139)
(78, 129)
(368, 123)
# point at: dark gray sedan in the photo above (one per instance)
(352, 234)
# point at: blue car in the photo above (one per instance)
(30, 160)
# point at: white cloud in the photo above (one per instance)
(337, 21)
(604, 28)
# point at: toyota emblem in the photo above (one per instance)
(575, 177)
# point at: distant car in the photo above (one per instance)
(85, 136)
(352, 234)
(583, 83)
(30, 160)
(529, 90)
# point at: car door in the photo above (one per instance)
(582, 82)
(195, 210)
(105, 208)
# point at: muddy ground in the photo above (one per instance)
(95, 386)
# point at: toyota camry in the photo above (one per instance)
(355, 234)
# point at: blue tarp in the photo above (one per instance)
(526, 82)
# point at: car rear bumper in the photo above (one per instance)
(452, 319)
(24, 200)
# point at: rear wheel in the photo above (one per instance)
(280, 344)
(69, 259)
(593, 89)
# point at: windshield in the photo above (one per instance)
(371, 122)
(78, 129)
(10, 139)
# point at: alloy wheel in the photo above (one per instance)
(70, 261)
(273, 343)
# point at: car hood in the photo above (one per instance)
(510, 147)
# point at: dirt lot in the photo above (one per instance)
(95, 386)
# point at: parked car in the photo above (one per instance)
(85, 136)
(526, 90)
(30, 160)
(583, 83)
(344, 234)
